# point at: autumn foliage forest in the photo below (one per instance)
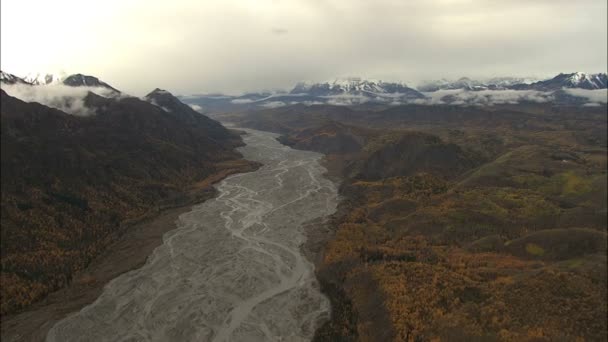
(72, 185)
(462, 229)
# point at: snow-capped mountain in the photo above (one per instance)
(563, 89)
(356, 86)
(465, 83)
(507, 82)
(42, 78)
(443, 84)
(569, 81)
(80, 80)
(6, 78)
(347, 91)
(561, 81)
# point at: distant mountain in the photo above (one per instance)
(357, 91)
(40, 79)
(507, 82)
(443, 84)
(31, 78)
(561, 81)
(357, 86)
(6, 78)
(349, 91)
(465, 83)
(573, 80)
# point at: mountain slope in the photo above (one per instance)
(496, 230)
(71, 185)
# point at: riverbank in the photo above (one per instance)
(129, 252)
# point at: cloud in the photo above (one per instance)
(196, 107)
(229, 46)
(346, 99)
(309, 103)
(65, 98)
(484, 97)
(594, 96)
(242, 101)
(273, 104)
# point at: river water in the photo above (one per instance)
(232, 270)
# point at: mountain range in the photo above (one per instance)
(357, 91)
(561, 81)
(563, 89)
(41, 79)
(466, 83)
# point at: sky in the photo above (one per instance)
(190, 47)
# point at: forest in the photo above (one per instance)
(460, 223)
(73, 185)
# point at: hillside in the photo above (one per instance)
(460, 223)
(71, 184)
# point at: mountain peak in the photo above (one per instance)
(39, 78)
(7, 78)
(573, 80)
(80, 80)
(165, 100)
(158, 91)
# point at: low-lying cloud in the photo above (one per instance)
(242, 101)
(196, 108)
(457, 97)
(65, 98)
(593, 96)
(273, 104)
(484, 97)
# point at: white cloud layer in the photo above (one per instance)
(594, 96)
(197, 108)
(59, 96)
(484, 97)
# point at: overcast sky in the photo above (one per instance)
(234, 46)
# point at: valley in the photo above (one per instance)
(466, 222)
(304, 171)
(232, 270)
